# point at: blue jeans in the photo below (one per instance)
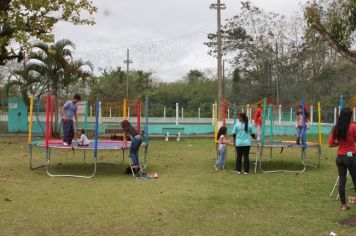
(68, 131)
(134, 148)
(220, 162)
(300, 138)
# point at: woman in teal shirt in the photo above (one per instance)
(242, 133)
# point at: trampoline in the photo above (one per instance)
(49, 144)
(102, 145)
(284, 145)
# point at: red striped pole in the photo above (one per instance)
(51, 117)
(47, 118)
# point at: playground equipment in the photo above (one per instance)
(50, 144)
(271, 144)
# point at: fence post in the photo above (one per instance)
(164, 112)
(335, 112)
(213, 116)
(279, 114)
(199, 112)
(177, 113)
(228, 113)
(91, 110)
(182, 112)
(110, 112)
(311, 114)
(291, 115)
(128, 112)
(248, 111)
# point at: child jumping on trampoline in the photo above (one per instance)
(220, 162)
(299, 124)
(343, 136)
(136, 141)
(83, 141)
(69, 112)
(242, 133)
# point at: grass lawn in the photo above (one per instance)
(188, 198)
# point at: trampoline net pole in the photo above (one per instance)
(30, 125)
(319, 123)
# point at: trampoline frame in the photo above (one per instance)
(260, 149)
(47, 162)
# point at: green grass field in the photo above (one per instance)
(188, 198)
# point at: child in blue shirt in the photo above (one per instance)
(69, 112)
(242, 133)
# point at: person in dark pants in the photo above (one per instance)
(136, 141)
(242, 133)
(69, 112)
(343, 136)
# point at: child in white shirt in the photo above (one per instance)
(83, 141)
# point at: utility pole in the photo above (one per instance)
(128, 62)
(223, 78)
(218, 7)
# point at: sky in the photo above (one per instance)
(164, 36)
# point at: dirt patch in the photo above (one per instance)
(351, 221)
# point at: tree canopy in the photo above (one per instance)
(335, 21)
(22, 20)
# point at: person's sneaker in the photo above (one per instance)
(65, 143)
(145, 176)
(245, 173)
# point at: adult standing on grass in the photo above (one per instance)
(69, 111)
(136, 141)
(343, 136)
(242, 133)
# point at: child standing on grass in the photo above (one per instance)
(220, 162)
(83, 141)
(343, 136)
(242, 133)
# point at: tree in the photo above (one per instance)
(336, 22)
(112, 84)
(254, 40)
(22, 20)
(26, 83)
(55, 64)
(235, 83)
